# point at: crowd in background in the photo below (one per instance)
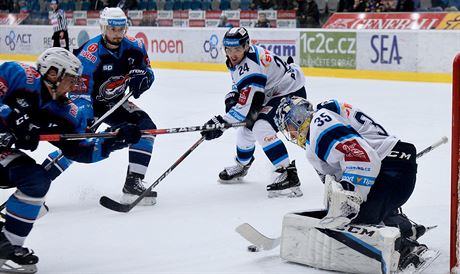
(309, 13)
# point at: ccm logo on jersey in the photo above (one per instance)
(244, 95)
(353, 151)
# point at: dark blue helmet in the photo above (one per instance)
(235, 37)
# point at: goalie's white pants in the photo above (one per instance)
(354, 248)
(265, 135)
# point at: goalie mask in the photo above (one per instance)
(293, 118)
(114, 25)
(59, 66)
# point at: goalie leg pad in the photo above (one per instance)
(370, 248)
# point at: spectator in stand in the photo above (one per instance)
(100, 4)
(285, 5)
(23, 7)
(223, 22)
(266, 5)
(308, 16)
(346, 6)
(405, 6)
(149, 20)
(127, 5)
(388, 6)
(59, 22)
(3, 5)
(360, 5)
(262, 21)
(14, 7)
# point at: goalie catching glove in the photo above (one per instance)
(342, 201)
(140, 80)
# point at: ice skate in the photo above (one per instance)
(286, 184)
(134, 186)
(234, 173)
(16, 259)
(415, 257)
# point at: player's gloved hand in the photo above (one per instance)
(231, 99)
(25, 132)
(139, 81)
(218, 122)
(129, 133)
(6, 140)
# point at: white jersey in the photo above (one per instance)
(345, 142)
(262, 71)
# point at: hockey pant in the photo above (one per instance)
(139, 153)
(264, 132)
(392, 188)
(22, 207)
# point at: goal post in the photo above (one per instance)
(454, 216)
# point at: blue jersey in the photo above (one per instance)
(105, 72)
(21, 88)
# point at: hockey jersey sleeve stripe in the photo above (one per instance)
(359, 179)
(332, 135)
(332, 105)
(235, 114)
(253, 79)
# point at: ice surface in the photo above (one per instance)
(191, 229)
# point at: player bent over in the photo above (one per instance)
(33, 102)
(369, 173)
(260, 80)
(112, 62)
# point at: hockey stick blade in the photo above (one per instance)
(114, 205)
(256, 238)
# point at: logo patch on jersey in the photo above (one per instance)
(92, 48)
(353, 151)
(89, 56)
(22, 102)
(130, 38)
(111, 88)
(73, 110)
(347, 108)
(244, 94)
(108, 67)
(3, 87)
(270, 138)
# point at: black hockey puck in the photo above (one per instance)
(253, 248)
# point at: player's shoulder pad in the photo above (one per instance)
(133, 42)
(253, 55)
(90, 50)
(332, 105)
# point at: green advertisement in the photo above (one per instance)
(328, 49)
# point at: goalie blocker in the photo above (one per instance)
(353, 248)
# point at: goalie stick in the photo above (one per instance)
(119, 207)
(262, 242)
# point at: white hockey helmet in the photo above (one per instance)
(293, 118)
(114, 17)
(60, 59)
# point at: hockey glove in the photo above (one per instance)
(26, 133)
(126, 134)
(218, 122)
(231, 99)
(139, 81)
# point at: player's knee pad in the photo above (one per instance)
(264, 133)
(32, 180)
(245, 138)
(372, 249)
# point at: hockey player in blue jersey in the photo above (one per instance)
(368, 173)
(260, 80)
(33, 102)
(112, 62)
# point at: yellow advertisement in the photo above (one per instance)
(450, 21)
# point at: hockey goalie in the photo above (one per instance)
(368, 175)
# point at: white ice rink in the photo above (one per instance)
(191, 229)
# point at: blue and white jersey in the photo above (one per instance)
(262, 71)
(105, 72)
(345, 142)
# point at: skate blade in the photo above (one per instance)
(8, 266)
(129, 198)
(237, 180)
(429, 256)
(293, 192)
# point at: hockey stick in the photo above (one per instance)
(81, 136)
(261, 242)
(94, 125)
(119, 207)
